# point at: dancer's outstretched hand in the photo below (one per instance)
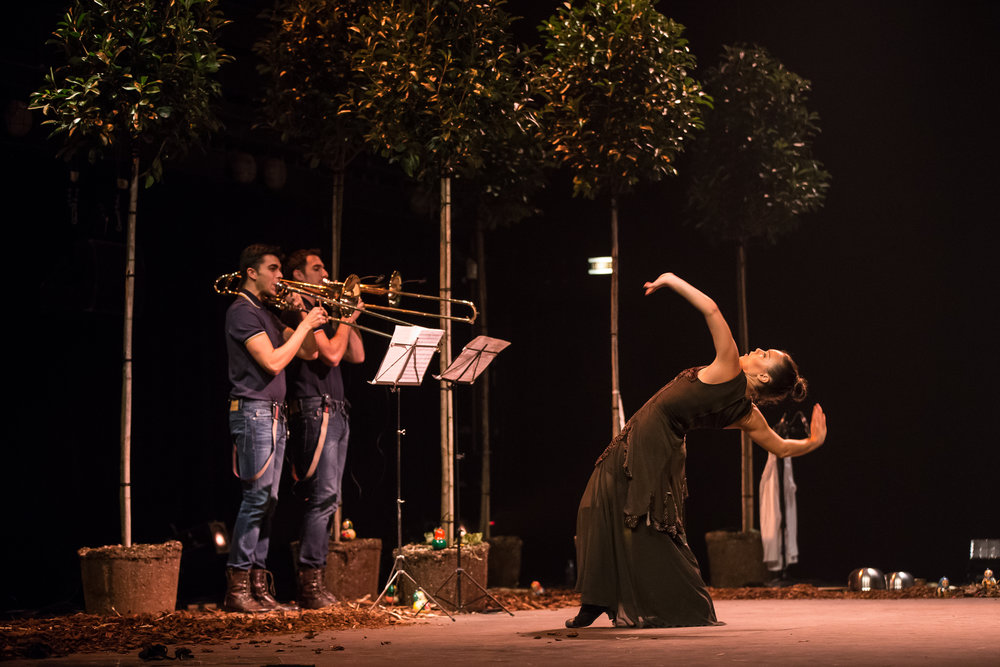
(817, 425)
(663, 280)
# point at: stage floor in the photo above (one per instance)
(763, 632)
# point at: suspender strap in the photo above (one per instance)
(328, 404)
(275, 415)
(319, 444)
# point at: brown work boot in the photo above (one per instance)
(262, 589)
(238, 596)
(311, 589)
(327, 595)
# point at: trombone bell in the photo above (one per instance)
(395, 286)
(352, 288)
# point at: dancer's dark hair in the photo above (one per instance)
(785, 383)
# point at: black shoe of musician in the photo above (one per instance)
(588, 614)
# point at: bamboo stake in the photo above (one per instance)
(126, 414)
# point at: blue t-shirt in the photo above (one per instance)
(246, 318)
(308, 379)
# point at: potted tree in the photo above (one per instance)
(500, 194)
(618, 104)
(753, 175)
(442, 81)
(307, 60)
(439, 78)
(135, 86)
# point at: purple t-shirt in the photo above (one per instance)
(246, 318)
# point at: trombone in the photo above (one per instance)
(230, 283)
(345, 296)
(394, 295)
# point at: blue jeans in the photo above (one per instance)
(321, 491)
(258, 431)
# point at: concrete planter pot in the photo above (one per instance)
(432, 568)
(504, 563)
(140, 579)
(352, 568)
(735, 559)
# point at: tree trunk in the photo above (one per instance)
(126, 416)
(746, 446)
(336, 219)
(447, 405)
(483, 387)
(616, 415)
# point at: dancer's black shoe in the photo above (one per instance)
(588, 614)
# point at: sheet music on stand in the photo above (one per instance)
(409, 354)
(473, 360)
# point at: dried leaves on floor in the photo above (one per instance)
(83, 633)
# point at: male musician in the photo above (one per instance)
(259, 348)
(318, 432)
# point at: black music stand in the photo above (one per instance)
(472, 361)
(410, 351)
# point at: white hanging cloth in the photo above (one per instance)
(770, 514)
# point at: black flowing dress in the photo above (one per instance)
(632, 551)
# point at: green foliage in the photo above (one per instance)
(307, 59)
(502, 190)
(619, 98)
(753, 172)
(513, 161)
(442, 79)
(138, 77)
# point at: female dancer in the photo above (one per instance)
(632, 553)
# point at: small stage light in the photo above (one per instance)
(220, 536)
(206, 545)
(208, 535)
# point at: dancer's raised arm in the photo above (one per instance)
(757, 428)
(726, 364)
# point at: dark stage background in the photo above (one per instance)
(885, 297)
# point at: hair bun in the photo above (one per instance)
(800, 389)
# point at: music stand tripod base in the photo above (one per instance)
(398, 570)
(459, 605)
